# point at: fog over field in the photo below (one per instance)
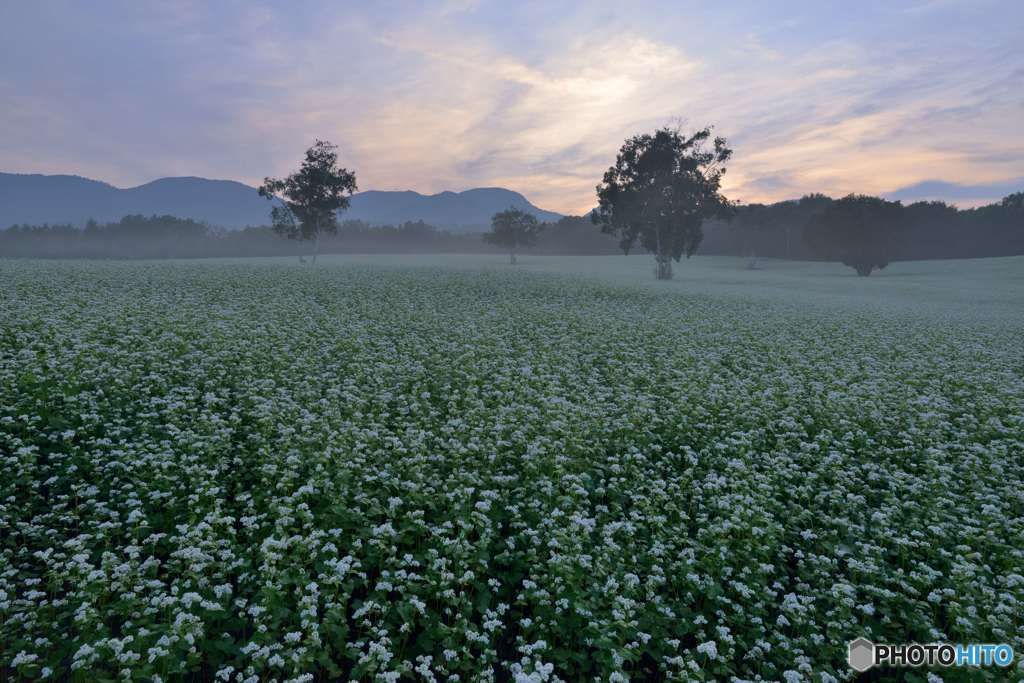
(481, 342)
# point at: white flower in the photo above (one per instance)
(708, 648)
(23, 658)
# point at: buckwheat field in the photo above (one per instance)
(263, 471)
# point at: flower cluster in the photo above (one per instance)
(243, 472)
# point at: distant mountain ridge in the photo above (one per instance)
(35, 199)
(458, 211)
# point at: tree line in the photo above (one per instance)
(799, 229)
(666, 186)
(787, 230)
(158, 237)
(662, 196)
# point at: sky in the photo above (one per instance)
(919, 99)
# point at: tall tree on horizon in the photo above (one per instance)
(659, 192)
(310, 198)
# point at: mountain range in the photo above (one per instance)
(37, 199)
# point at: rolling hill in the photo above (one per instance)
(466, 211)
(37, 199)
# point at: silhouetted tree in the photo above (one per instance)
(660, 191)
(1013, 201)
(513, 229)
(310, 198)
(858, 230)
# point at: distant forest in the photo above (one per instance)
(924, 230)
(149, 237)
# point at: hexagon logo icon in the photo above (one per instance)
(861, 655)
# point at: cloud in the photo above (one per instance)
(772, 184)
(531, 96)
(930, 6)
(458, 6)
(835, 118)
(473, 112)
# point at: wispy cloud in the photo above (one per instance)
(528, 96)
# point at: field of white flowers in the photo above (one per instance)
(247, 472)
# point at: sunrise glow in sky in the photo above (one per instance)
(919, 99)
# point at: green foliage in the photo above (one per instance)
(310, 199)
(660, 191)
